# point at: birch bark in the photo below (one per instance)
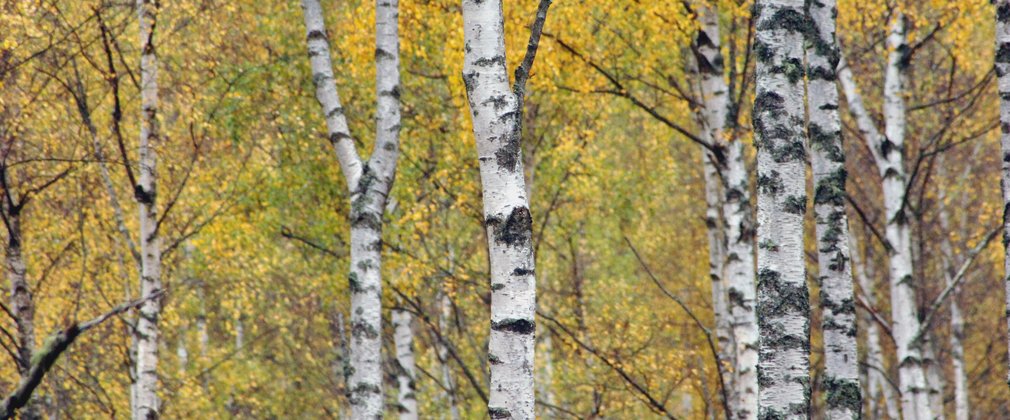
(369, 184)
(950, 263)
(731, 191)
(824, 129)
(403, 338)
(890, 160)
(877, 382)
(148, 406)
(444, 312)
(1003, 72)
(496, 113)
(783, 306)
(22, 306)
(887, 150)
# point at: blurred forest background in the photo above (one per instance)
(253, 206)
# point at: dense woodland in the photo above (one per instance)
(589, 209)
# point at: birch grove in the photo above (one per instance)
(368, 183)
(579, 238)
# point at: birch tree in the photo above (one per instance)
(728, 219)
(403, 338)
(148, 405)
(827, 158)
(369, 183)
(1003, 72)
(887, 150)
(496, 112)
(783, 300)
(20, 302)
(876, 376)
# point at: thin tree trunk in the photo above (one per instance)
(716, 269)
(838, 324)
(148, 405)
(876, 378)
(887, 151)
(496, 112)
(949, 263)
(403, 338)
(713, 96)
(22, 306)
(783, 300)
(1003, 72)
(742, 293)
(444, 312)
(369, 183)
(904, 313)
(546, 381)
(934, 374)
(737, 232)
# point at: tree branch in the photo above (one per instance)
(523, 71)
(45, 358)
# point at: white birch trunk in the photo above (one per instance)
(877, 382)
(369, 184)
(546, 381)
(934, 374)
(742, 293)
(148, 405)
(403, 339)
(783, 300)
(716, 269)
(444, 312)
(887, 151)
(890, 161)
(495, 112)
(21, 304)
(1003, 72)
(949, 261)
(838, 324)
(732, 192)
(711, 92)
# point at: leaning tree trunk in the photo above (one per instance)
(890, 160)
(887, 151)
(1003, 72)
(22, 306)
(827, 159)
(949, 264)
(147, 403)
(369, 184)
(403, 338)
(496, 113)
(876, 378)
(442, 351)
(783, 300)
